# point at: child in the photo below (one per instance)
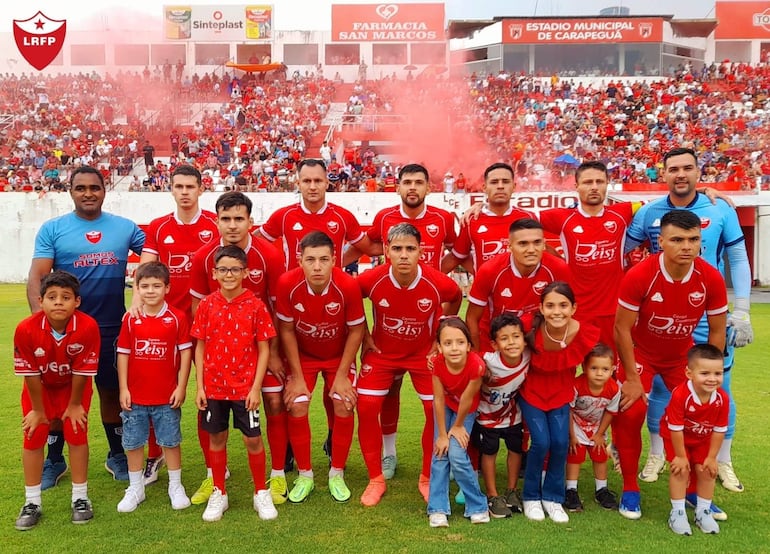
(456, 383)
(561, 343)
(693, 429)
(498, 416)
(56, 350)
(153, 357)
(597, 399)
(233, 328)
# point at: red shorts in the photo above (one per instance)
(329, 373)
(375, 380)
(597, 454)
(55, 403)
(672, 376)
(271, 383)
(696, 453)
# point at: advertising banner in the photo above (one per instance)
(387, 22)
(218, 23)
(582, 30)
(742, 20)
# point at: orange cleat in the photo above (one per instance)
(374, 491)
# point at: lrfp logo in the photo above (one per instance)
(39, 38)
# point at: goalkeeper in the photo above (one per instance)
(721, 236)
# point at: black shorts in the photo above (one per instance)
(107, 373)
(216, 417)
(487, 439)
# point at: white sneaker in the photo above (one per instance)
(555, 511)
(152, 469)
(178, 496)
(438, 520)
(480, 518)
(727, 475)
(132, 499)
(263, 504)
(652, 468)
(533, 510)
(216, 506)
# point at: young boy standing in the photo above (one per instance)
(154, 355)
(233, 328)
(693, 429)
(56, 350)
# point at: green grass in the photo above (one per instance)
(399, 523)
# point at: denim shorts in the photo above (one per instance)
(165, 421)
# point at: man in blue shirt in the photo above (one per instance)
(93, 246)
(721, 234)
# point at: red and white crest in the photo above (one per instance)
(39, 38)
(93, 236)
(255, 275)
(74, 349)
(333, 226)
(645, 30)
(514, 31)
(333, 308)
(611, 226)
(696, 298)
(539, 287)
(425, 304)
(432, 230)
(705, 222)
(205, 235)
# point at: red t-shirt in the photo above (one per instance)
(36, 352)
(668, 310)
(294, 222)
(486, 235)
(456, 383)
(265, 267)
(436, 226)
(231, 331)
(697, 421)
(593, 249)
(175, 243)
(405, 319)
(152, 344)
(320, 321)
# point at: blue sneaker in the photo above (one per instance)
(630, 505)
(460, 498)
(691, 500)
(52, 473)
(117, 466)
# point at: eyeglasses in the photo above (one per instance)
(234, 271)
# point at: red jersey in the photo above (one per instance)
(37, 352)
(697, 421)
(175, 243)
(265, 267)
(153, 343)
(436, 226)
(405, 319)
(320, 321)
(668, 310)
(593, 248)
(455, 383)
(588, 408)
(231, 331)
(551, 377)
(487, 235)
(294, 222)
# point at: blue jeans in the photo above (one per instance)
(457, 459)
(549, 432)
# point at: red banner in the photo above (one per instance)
(582, 31)
(742, 20)
(387, 22)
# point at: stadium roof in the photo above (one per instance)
(693, 27)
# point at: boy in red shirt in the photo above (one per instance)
(154, 353)
(233, 328)
(56, 350)
(693, 429)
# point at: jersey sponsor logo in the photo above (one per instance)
(75, 348)
(672, 326)
(299, 307)
(39, 352)
(384, 303)
(93, 236)
(539, 287)
(169, 240)
(150, 348)
(55, 367)
(578, 229)
(333, 226)
(432, 230)
(696, 299)
(705, 222)
(255, 275)
(324, 331)
(96, 258)
(611, 226)
(406, 327)
(490, 248)
(594, 252)
(657, 297)
(333, 308)
(167, 320)
(179, 263)
(205, 235)
(424, 304)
